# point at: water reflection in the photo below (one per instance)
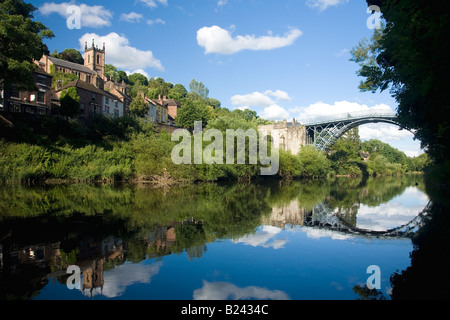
(120, 235)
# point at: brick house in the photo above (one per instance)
(91, 98)
(37, 101)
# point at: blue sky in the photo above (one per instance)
(283, 58)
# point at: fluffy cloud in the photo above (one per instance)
(323, 4)
(259, 99)
(252, 99)
(91, 16)
(120, 54)
(321, 109)
(383, 131)
(280, 95)
(226, 290)
(275, 112)
(131, 17)
(153, 3)
(217, 40)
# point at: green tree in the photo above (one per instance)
(178, 92)
(198, 89)
(313, 163)
(21, 42)
(191, 111)
(157, 87)
(410, 57)
(135, 77)
(139, 107)
(70, 102)
(70, 55)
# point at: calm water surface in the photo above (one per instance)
(299, 240)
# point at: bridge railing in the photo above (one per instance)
(352, 115)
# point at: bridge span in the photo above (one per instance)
(323, 132)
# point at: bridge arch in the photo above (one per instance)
(323, 133)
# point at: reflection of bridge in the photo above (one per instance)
(323, 217)
(323, 132)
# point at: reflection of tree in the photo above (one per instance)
(365, 293)
(427, 277)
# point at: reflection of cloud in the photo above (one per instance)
(226, 290)
(263, 238)
(316, 233)
(118, 279)
(386, 216)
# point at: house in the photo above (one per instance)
(112, 105)
(172, 106)
(122, 91)
(158, 113)
(38, 101)
(91, 98)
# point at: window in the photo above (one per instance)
(94, 96)
(89, 59)
(14, 92)
(106, 100)
(106, 110)
(81, 108)
(41, 96)
(116, 104)
(98, 59)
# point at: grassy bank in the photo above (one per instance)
(51, 149)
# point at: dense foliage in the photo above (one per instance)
(409, 56)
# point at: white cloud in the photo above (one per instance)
(131, 17)
(259, 99)
(274, 112)
(143, 72)
(217, 40)
(384, 132)
(280, 95)
(226, 290)
(252, 99)
(91, 16)
(156, 21)
(221, 3)
(120, 54)
(323, 4)
(153, 3)
(321, 109)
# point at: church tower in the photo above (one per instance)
(94, 58)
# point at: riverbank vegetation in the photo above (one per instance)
(38, 149)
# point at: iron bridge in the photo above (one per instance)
(323, 132)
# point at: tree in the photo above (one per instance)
(135, 77)
(178, 92)
(198, 89)
(111, 72)
(21, 42)
(70, 55)
(70, 102)
(191, 111)
(139, 107)
(158, 87)
(410, 57)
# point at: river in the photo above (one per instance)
(262, 240)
